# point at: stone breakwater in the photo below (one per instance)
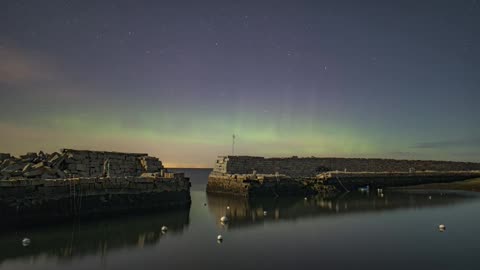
(311, 166)
(265, 184)
(86, 183)
(70, 163)
(248, 176)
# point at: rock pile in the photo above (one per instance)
(77, 163)
(32, 165)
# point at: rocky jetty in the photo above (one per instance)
(69, 163)
(250, 176)
(86, 183)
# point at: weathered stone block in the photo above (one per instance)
(34, 172)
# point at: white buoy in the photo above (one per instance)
(26, 242)
(164, 228)
(219, 238)
(224, 219)
(228, 207)
(442, 227)
(265, 213)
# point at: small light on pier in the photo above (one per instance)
(442, 227)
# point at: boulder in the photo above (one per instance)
(4, 176)
(40, 164)
(27, 167)
(34, 172)
(14, 167)
(5, 163)
(150, 175)
(57, 162)
(29, 156)
(60, 173)
(53, 158)
(4, 156)
(48, 176)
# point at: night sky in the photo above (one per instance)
(176, 79)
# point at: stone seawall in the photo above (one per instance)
(52, 199)
(77, 163)
(353, 180)
(250, 176)
(311, 166)
(265, 185)
(71, 183)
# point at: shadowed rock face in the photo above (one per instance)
(244, 212)
(90, 238)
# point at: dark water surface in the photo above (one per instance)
(353, 231)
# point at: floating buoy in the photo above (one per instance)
(224, 219)
(364, 189)
(219, 238)
(442, 227)
(26, 242)
(228, 207)
(265, 213)
(164, 228)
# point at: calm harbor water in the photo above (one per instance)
(396, 230)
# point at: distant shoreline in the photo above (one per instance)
(466, 185)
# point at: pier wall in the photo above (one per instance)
(71, 183)
(41, 199)
(311, 166)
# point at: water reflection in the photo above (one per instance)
(243, 212)
(67, 241)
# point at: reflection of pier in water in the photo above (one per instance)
(248, 211)
(87, 238)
